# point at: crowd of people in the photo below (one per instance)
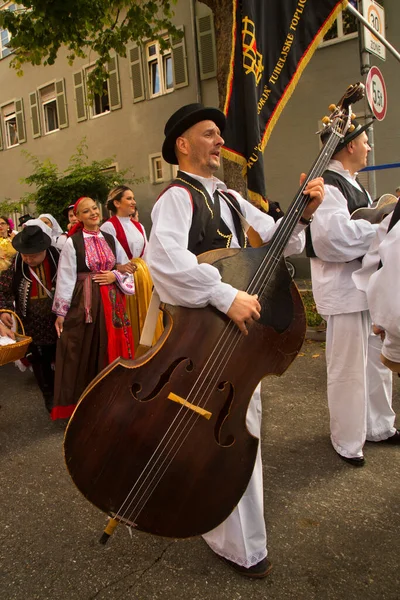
(70, 290)
(81, 306)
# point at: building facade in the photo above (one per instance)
(47, 113)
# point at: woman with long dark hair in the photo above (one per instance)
(132, 236)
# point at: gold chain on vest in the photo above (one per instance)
(223, 235)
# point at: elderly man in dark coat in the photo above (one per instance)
(27, 287)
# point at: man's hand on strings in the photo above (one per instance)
(314, 189)
(244, 309)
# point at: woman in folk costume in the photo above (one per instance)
(7, 250)
(56, 230)
(92, 324)
(132, 237)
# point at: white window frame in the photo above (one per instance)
(341, 37)
(92, 114)
(157, 168)
(159, 59)
(53, 100)
(11, 116)
(4, 49)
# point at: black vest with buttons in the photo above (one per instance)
(208, 231)
(355, 199)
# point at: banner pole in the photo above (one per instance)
(364, 21)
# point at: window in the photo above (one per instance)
(102, 103)
(48, 106)
(5, 36)
(12, 130)
(159, 70)
(154, 73)
(10, 126)
(158, 168)
(343, 28)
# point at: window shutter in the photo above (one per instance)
(114, 92)
(1, 132)
(20, 118)
(207, 51)
(35, 119)
(61, 104)
(80, 98)
(180, 62)
(135, 58)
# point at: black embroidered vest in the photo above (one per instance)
(355, 199)
(79, 245)
(208, 231)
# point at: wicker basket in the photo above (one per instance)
(13, 352)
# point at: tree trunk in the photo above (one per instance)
(222, 10)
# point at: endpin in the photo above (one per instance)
(108, 531)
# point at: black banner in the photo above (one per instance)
(272, 42)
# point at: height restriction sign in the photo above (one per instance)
(376, 93)
(375, 15)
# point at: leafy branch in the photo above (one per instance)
(39, 28)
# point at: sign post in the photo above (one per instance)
(375, 15)
(376, 93)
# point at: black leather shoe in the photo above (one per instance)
(393, 439)
(357, 461)
(258, 571)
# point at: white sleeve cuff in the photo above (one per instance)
(223, 296)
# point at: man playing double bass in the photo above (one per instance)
(190, 218)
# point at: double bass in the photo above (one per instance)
(160, 442)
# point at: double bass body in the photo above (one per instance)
(161, 442)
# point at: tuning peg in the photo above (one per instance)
(353, 116)
(332, 107)
(326, 120)
(352, 128)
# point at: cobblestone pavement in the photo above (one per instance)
(333, 530)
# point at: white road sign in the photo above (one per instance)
(376, 93)
(375, 15)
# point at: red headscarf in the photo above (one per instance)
(78, 226)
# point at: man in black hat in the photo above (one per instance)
(69, 214)
(27, 287)
(196, 213)
(23, 219)
(359, 386)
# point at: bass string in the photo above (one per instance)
(166, 450)
(269, 263)
(169, 455)
(264, 272)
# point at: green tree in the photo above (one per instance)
(39, 28)
(54, 190)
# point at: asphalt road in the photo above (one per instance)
(333, 529)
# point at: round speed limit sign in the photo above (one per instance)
(376, 93)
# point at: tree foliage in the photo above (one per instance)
(85, 27)
(54, 190)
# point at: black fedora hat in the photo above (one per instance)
(181, 120)
(350, 135)
(67, 209)
(31, 240)
(22, 220)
